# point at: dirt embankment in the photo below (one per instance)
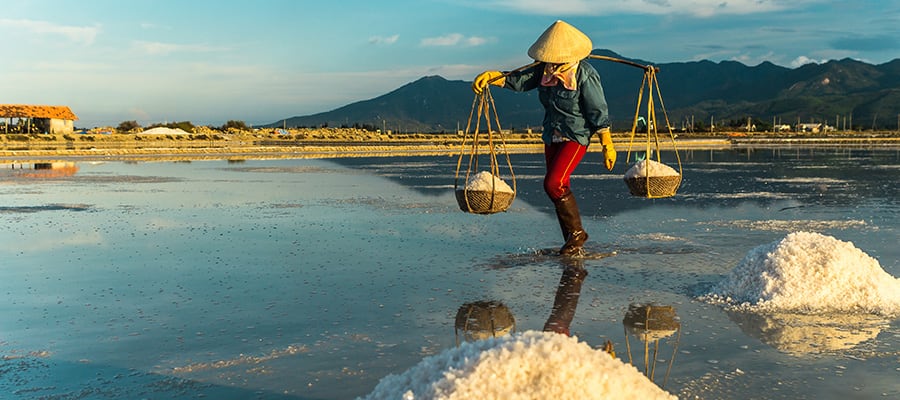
(346, 142)
(205, 141)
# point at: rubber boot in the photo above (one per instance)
(570, 223)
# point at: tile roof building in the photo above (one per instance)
(52, 119)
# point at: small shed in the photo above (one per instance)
(49, 119)
(811, 127)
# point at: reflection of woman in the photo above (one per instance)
(575, 109)
(567, 294)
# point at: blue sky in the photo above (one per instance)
(209, 61)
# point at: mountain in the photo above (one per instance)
(699, 91)
(430, 104)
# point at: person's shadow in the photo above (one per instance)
(566, 300)
(484, 319)
(567, 294)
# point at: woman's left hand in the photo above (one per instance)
(609, 150)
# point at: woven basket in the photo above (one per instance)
(482, 201)
(651, 322)
(654, 186)
(484, 319)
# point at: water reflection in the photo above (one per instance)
(802, 334)
(45, 207)
(720, 178)
(43, 170)
(651, 323)
(239, 260)
(489, 318)
(483, 319)
(567, 294)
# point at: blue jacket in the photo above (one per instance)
(578, 113)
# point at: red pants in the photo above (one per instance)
(562, 158)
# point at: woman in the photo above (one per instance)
(575, 109)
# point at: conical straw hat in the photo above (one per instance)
(561, 43)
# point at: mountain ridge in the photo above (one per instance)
(694, 92)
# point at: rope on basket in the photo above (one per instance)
(483, 201)
(647, 185)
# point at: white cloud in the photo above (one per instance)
(62, 242)
(78, 34)
(151, 25)
(447, 40)
(160, 48)
(803, 60)
(698, 8)
(454, 39)
(476, 41)
(388, 40)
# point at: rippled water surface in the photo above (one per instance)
(313, 279)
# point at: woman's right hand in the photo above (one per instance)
(485, 78)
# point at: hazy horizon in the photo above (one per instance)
(208, 62)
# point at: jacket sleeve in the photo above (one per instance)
(525, 80)
(593, 103)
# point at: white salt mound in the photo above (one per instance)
(645, 168)
(809, 273)
(528, 365)
(486, 182)
(161, 130)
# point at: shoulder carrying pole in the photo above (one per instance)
(593, 56)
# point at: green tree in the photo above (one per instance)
(127, 126)
(232, 124)
(186, 126)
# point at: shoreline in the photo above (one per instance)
(338, 143)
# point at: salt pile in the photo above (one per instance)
(645, 168)
(161, 130)
(484, 181)
(532, 365)
(809, 273)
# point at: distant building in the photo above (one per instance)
(47, 119)
(814, 128)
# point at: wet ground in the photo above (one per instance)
(312, 279)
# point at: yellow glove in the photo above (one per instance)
(608, 347)
(609, 151)
(481, 81)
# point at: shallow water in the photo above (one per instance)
(313, 279)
